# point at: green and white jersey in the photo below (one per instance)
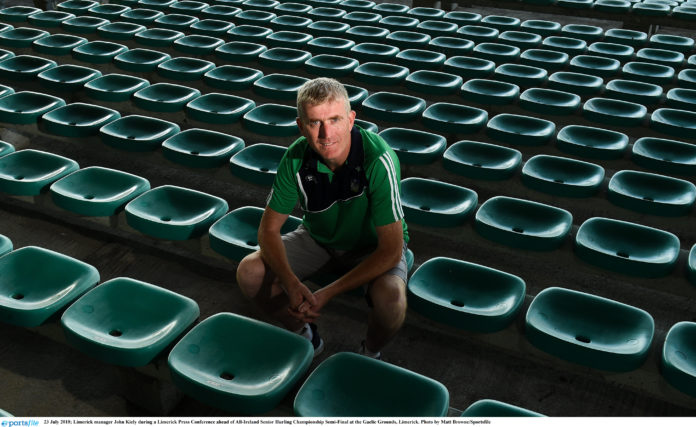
(341, 209)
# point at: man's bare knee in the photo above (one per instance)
(388, 294)
(251, 274)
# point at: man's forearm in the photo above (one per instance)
(273, 253)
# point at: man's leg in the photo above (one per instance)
(388, 297)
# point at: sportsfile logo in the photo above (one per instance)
(22, 423)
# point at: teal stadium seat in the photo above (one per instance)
(218, 11)
(502, 23)
(589, 33)
(32, 295)
(521, 75)
(488, 408)
(77, 120)
(219, 108)
(651, 194)
(227, 359)
(549, 101)
(330, 45)
(380, 74)
(6, 148)
(614, 112)
(239, 51)
(675, 122)
(183, 68)
(97, 191)
(451, 46)
(114, 87)
(5, 54)
(479, 160)
(670, 58)
(393, 107)
(542, 27)
(157, 37)
(165, 97)
(448, 118)
(650, 9)
(24, 67)
(156, 4)
(469, 67)
(626, 247)
(57, 44)
(490, 92)
(677, 358)
(232, 77)
(408, 39)
(521, 39)
(211, 27)
(67, 78)
(257, 163)
(141, 16)
(465, 295)
(289, 39)
(357, 5)
(672, 42)
(140, 60)
(592, 142)
(115, 322)
(201, 148)
(26, 107)
(569, 45)
(272, 120)
(78, 7)
(284, 58)
(30, 172)
(424, 13)
(399, 23)
(119, 31)
(109, 11)
(49, 18)
(290, 23)
(137, 133)
(196, 44)
(634, 91)
(5, 245)
(437, 28)
(589, 330)
(86, 25)
(420, 59)
(324, 13)
(478, 33)
(600, 66)
(254, 17)
(235, 234)
(665, 155)
(174, 213)
(560, 176)
(620, 52)
(612, 6)
(335, 66)
(297, 9)
(278, 86)
(682, 99)
(249, 33)
(648, 72)
(461, 17)
(356, 95)
(577, 83)
(374, 52)
(523, 224)
(435, 203)
(188, 7)
(624, 36)
(336, 388)
(98, 52)
(520, 130)
(497, 52)
(414, 147)
(328, 28)
(18, 13)
(687, 78)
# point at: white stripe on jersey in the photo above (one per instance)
(394, 186)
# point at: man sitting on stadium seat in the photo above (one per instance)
(347, 180)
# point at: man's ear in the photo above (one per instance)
(300, 125)
(351, 117)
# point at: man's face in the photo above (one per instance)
(327, 128)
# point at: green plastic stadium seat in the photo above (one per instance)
(17, 13)
(57, 44)
(448, 118)
(687, 13)
(435, 28)
(478, 33)
(497, 52)
(249, 33)
(408, 39)
(549, 101)
(21, 37)
(680, 98)
(648, 72)
(97, 191)
(189, 7)
(420, 59)
(435, 203)
(592, 142)
(114, 87)
(589, 33)
(201, 148)
(6, 148)
(235, 235)
(290, 23)
(677, 362)
(356, 95)
(672, 42)
(165, 97)
(671, 58)
(49, 18)
(328, 29)
(115, 323)
(393, 107)
(630, 37)
(614, 112)
(634, 91)
(6, 54)
(331, 65)
(650, 9)
(665, 155)
(254, 17)
(691, 265)
(140, 60)
(365, 52)
(32, 295)
(520, 130)
(502, 23)
(157, 37)
(98, 52)
(156, 4)
(218, 108)
(542, 27)
(469, 67)
(119, 31)
(560, 176)
(521, 39)
(550, 60)
(137, 133)
(612, 6)
(257, 163)
(414, 147)
(184, 68)
(399, 23)
(479, 160)
(108, 11)
(330, 45)
(490, 92)
(196, 44)
(284, 58)
(494, 408)
(30, 172)
(687, 78)
(279, 86)
(174, 213)
(78, 7)
(595, 65)
(272, 120)
(433, 82)
(219, 11)
(523, 223)
(367, 34)
(211, 27)
(141, 16)
(208, 365)
(465, 295)
(357, 5)
(451, 46)
(26, 107)
(289, 39)
(297, 9)
(336, 389)
(388, 9)
(321, 13)
(83, 24)
(5, 245)
(67, 77)
(589, 330)
(521, 75)
(569, 45)
(424, 13)
(620, 52)
(381, 73)
(232, 77)
(361, 18)
(679, 123)
(578, 83)
(650, 193)
(626, 247)
(77, 120)
(461, 17)
(239, 51)
(25, 67)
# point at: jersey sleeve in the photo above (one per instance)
(384, 179)
(283, 196)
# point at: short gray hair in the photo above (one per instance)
(319, 91)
